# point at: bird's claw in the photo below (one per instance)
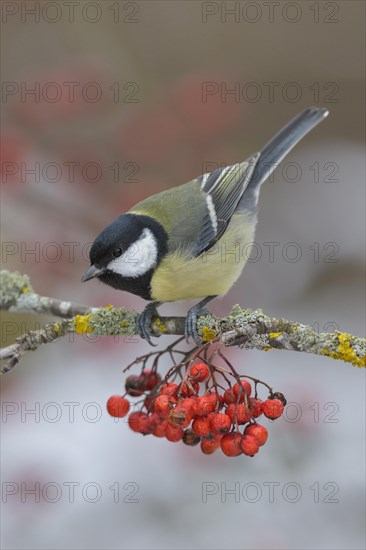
(190, 330)
(144, 322)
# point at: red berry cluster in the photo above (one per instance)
(179, 413)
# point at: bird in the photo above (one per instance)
(175, 245)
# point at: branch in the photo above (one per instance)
(17, 296)
(243, 327)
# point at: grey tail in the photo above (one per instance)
(278, 147)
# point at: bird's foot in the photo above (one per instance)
(190, 330)
(144, 321)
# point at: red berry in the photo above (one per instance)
(229, 396)
(141, 422)
(259, 433)
(199, 372)
(190, 438)
(281, 397)
(118, 406)
(272, 408)
(209, 445)
(160, 427)
(187, 389)
(173, 400)
(149, 401)
(162, 405)
(135, 385)
(245, 388)
(204, 405)
(249, 445)
(216, 399)
(255, 406)
(230, 444)
(189, 404)
(179, 417)
(150, 379)
(134, 420)
(238, 413)
(148, 423)
(173, 434)
(201, 426)
(220, 423)
(169, 388)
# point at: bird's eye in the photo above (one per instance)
(117, 252)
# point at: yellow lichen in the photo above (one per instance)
(267, 348)
(160, 325)
(274, 334)
(25, 289)
(108, 307)
(57, 328)
(124, 324)
(345, 351)
(82, 324)
(208, 334)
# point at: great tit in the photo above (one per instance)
(176, 245)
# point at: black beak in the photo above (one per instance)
(91, 272)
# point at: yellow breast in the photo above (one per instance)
(181, 277)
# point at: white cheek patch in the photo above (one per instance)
(138, 259)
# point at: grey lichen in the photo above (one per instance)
(306, 339)
(113, 321)
(231, 329)
(360, 349)
(27, 302)
(13, 285)
(208, 325)
(257, 341)
(242, 320)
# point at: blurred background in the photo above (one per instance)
(105, 103)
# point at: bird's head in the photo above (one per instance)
(126, 253)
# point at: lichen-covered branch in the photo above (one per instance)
(17, 296)
(243, 327)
